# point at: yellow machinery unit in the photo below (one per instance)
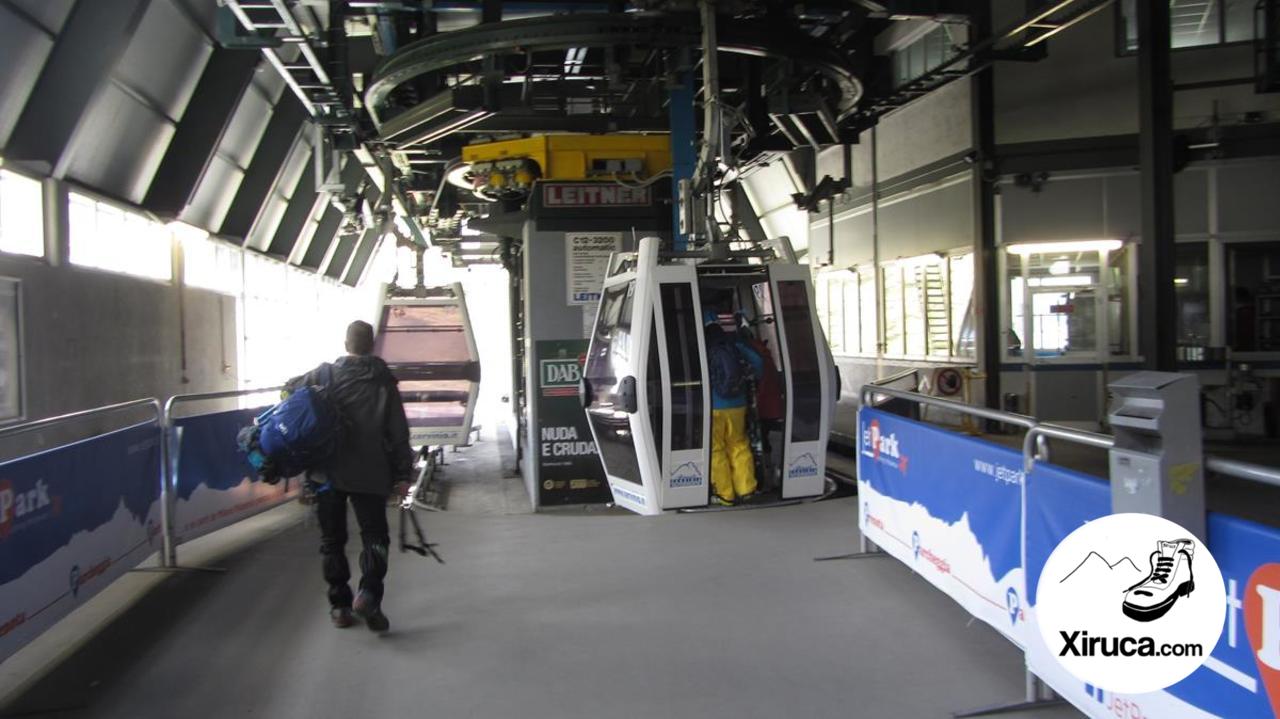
(509, 167)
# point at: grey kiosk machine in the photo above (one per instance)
(1157, 463)
(644, 382)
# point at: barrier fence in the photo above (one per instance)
(75, 517)
(978, 521)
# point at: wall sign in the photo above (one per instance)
(587, 260)
(595, 194)
(569, 468)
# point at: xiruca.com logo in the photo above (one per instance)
(1131, 603)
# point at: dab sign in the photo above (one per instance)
(559, 377)
(569, 468)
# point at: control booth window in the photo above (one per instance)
(1068, 300)
(1191, 286)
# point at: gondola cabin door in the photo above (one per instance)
(808, 377)
(643, 386)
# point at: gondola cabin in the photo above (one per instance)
(647, 385)
(428, 343)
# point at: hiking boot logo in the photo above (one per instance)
(1170, 577)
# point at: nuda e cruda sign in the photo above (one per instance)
(569, 468)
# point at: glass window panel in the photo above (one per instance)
(684, 362)
(21, 215)
(1239, 25)
(835, 310)
(867, 308)
(10, 351)
(1194, 23)
(802, 358)
(107, 238)
(893, 331)
(913, 310)
(605, 370)
(961, 289)
(852, 333)
(1191, 285)
(1119, 308)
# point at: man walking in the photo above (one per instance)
(375, 458)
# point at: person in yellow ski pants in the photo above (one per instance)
(731, 363)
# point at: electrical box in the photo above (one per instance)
(1157, 464)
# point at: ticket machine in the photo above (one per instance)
(645, 386)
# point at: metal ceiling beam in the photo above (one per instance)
(268, 160)
(341, 256)
(302, 204)
(83, 57)
(363, 254)
(195, 142)
(322, 239)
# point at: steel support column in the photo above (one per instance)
(986, 267)
(195, 142)
(683, 138)
(264, 168)
(1157, 300)
(84, 55)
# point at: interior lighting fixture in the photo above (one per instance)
(1034, 248)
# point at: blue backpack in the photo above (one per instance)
(302, 432)
(725, 365)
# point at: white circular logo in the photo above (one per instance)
(1131, 603)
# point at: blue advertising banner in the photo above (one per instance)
(215, 485)
(1239, 679)
(949, 506)
(73, 519)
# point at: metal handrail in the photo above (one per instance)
(201, 396)
(169, 553)
(1035, 448)
(64, 418)
(1243, 470)
(1018, 420)
(896, 377)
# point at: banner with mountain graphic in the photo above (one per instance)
(948, 506)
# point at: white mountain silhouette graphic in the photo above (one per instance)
(1095, 570)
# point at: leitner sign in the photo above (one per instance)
(595, 194)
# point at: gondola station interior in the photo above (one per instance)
(754, 355)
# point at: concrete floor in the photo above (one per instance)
(564, 615)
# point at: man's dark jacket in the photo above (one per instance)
(376, 453)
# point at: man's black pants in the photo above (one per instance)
(371, 515)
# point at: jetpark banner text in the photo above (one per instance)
(72, 520)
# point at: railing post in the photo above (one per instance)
(169, 550)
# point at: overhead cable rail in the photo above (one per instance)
(1021, 41)
(309, 80)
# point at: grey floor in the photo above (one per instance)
(589, 614)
